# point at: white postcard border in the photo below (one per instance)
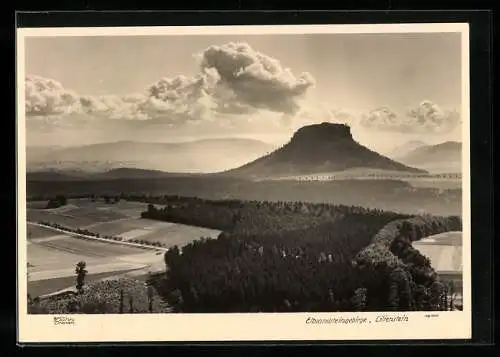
(251, 326)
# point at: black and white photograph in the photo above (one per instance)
(314, 173)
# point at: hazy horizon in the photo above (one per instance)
(184, 140)
(390, 88)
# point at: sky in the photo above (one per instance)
(174, 88)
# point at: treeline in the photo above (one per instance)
(249, 217)
(391, 195)
(409, 279)
(375, 176)
(61, 200)
(57, 201)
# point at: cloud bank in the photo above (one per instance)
(234, 81)
(427, 117)
(235, 87)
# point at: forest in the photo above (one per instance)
(296, 256)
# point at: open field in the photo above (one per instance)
(121, 219)
(449, 181)
(90, 248)
(83, 213)
(155, 231)
(444, 251)
(126, 208)
(126, 227)
(47, 286)
(53, 258)
(38, 232)
(59, 255)
(37, 204)
(443, 184)
(52, 255)
(75, 218)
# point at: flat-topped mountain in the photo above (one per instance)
(319, 148)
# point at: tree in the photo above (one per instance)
(63, 200)
(72, 306)
(121, 301)
(150, 296)
(130, 304)
(81, 273)
(151, 208)
(359, 299)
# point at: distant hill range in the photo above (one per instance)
(113, 174)
(209, 155)
(319, 148)
(404, 149)
(444, 157)
(315, 149)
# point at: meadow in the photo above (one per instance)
(150, 230)
(36, 232)
(52, 262)
(43, 287)
(52, 255)
(81, 213)
(432, 181)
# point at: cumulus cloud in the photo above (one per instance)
(234, 81)
(381, 118)
(113, 107)
(47, 97)
(182, 97)
(256, 79)
(430, 117)
(168, 100)
(427, 117)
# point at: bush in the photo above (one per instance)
(103, 298)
